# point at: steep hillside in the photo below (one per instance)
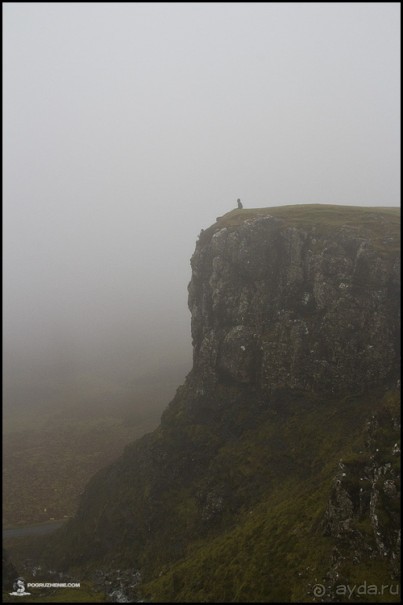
(275, 467)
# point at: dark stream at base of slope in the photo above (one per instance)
(32, 530)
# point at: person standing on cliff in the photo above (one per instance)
(239, 203)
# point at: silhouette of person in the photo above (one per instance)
(239, 203)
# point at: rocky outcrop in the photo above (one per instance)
(118, 586)
(277, 306)
(363, 512)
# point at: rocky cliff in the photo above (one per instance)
(297, 304)
(276, 460)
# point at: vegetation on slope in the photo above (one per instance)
(251, 525)
(241, 495)
(278, 549)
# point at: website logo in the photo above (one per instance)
(19, 588)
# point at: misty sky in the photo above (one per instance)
(129, 127)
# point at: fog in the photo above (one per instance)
(129, 127)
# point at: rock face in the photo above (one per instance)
(363, 511)
(277, 306)
(264, 475)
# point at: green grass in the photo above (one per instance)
(275, 550)
(375, 222)
(279, 530)
(310, 214)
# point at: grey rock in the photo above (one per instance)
(316, 313)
